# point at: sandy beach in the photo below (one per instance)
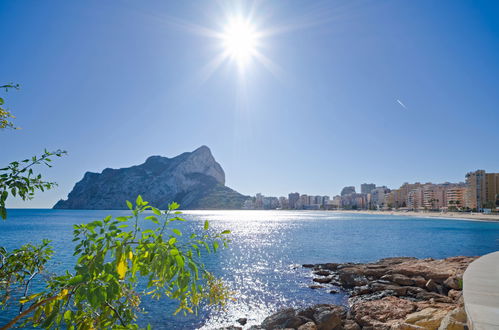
(445, 215)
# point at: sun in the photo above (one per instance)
(240, 40)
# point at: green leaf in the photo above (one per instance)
(178, 232)
(173, 206)
(206, 225)
(139, 200)
(225, 232)
(130, 205)
(155, 211)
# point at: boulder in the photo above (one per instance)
(308, 326)
(322, 279)
(278, 319)
(327, 319)
(368, 313)
(428, 318)
(431, 286)
(453, 282)
(454, 294)
(350, 278)
(454, 320)
(351, 325)
(242, 321)
(322, 273)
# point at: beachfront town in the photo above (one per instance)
(479, 193)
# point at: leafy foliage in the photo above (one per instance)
(5, 114)
(118, 263)
(18, 179)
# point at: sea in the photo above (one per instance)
(262, 264)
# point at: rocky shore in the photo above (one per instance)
(393, 293)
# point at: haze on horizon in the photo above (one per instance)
(317, 96)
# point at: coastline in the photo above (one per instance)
(440, 215)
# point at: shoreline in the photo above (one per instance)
(397, 293)
(440, 215)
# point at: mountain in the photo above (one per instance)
(192, 179)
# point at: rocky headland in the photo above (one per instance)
(194, 179)
(393, 293)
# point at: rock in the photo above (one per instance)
(402, 279)
(350, 278)
(329, 266)
(454, 320)
(419, 281)
(453, 283)
(405, 326)
(278, 319)
(316, 287)
(351, 325)
(428, 318)
(295, 322)
(242, 321)
(327, 319)
(308, 266)
(308, 326)
(454, 294)
(334, 291)
(435, 296)
(193, 179)
(322, 273)
(231, 328)
(322, 279)
(396, 289)
(368, 313)
(431, 286)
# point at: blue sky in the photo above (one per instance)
(113, 82)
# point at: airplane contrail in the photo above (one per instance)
(402, 104)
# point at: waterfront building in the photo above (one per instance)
(366, 188)
(348, 190)
(456, 197)
(259, 201)
(283, 203)
(482, 190)
(293, 199)
(415, 199)
(378, 197)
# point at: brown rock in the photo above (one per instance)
(402, 279)
(368, 313)
(453, 282)
(350, 278)
(316, 287)
(428, 318)
(405, 326)
(419, 281)
(397, 289)
(278, 319)
(308, 326)
(435, 296)
(431, 286)
(322, 273)
(454, 294)
(351, 325)
(322, 279)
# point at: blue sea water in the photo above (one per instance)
(261, 263)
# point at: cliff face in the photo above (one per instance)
(193, 179)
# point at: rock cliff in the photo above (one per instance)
(193, 179)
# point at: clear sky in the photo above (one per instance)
(344, 92)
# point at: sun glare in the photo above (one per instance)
(240, 41)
